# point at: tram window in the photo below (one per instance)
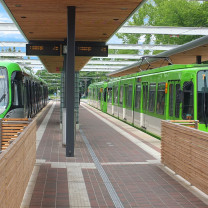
(152, 92)
(161, 98)
(126, 94)
(128, 91)
(99, 90)
(145, 93)
(99, 95)
(93, 93)
(89, 93)
(188, 110)
(25, 100)
(202, 93)
(178, 100)
(171, 100)
(138, 96)
(17, 89)
(109, 95)
(15, 95)
(121, 96)
(105, 95)
(4, 90)
(115, 95)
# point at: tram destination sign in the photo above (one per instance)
(38, 49)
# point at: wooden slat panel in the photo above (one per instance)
(11, 128)
(9, 133)
(14, 124)
(9, 137)
(186, 153)
(15, 119)
(19, 158)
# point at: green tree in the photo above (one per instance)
(178, 13)
(53, 80)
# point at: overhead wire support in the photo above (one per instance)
(147, 59)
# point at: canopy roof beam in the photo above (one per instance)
(164, 30)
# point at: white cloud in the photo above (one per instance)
(141, 39)
(4, 19)
(5, 33)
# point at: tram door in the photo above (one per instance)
(104, 100)
(175, 96)
(144, 119)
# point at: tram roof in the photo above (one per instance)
(47, 20)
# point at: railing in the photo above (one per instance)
(16, 161)
(185, 151)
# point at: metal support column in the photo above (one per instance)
(0, 133)
(63, 111)
(77, 98)
(63, 94)
(70, 63)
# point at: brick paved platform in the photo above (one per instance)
(115, 165)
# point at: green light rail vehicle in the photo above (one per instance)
(22, 94)
(144, 99)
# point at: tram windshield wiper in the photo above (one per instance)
(204, 103)
(2, 97)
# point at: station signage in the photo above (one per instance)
(91, 51)
(83, 48)
(38, 49)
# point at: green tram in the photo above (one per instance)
(21, 93)
(173, 92)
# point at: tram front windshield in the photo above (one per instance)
(4, 91)
(202, 92)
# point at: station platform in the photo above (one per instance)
(115, 165)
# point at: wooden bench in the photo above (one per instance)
(188, 123)
(10, 130)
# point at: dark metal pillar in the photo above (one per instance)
(64, 84)
(70, 63)
(85, 81)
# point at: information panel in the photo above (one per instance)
(91, 51)
(43, 49)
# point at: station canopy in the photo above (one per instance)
(46, 20)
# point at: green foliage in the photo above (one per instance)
(93, 76)
(86, 78)
(53, 80)
(178, 13)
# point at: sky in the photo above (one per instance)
(13, 36)
(8, 36)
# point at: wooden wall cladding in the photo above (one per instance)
(16, 165)
(185, 151)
